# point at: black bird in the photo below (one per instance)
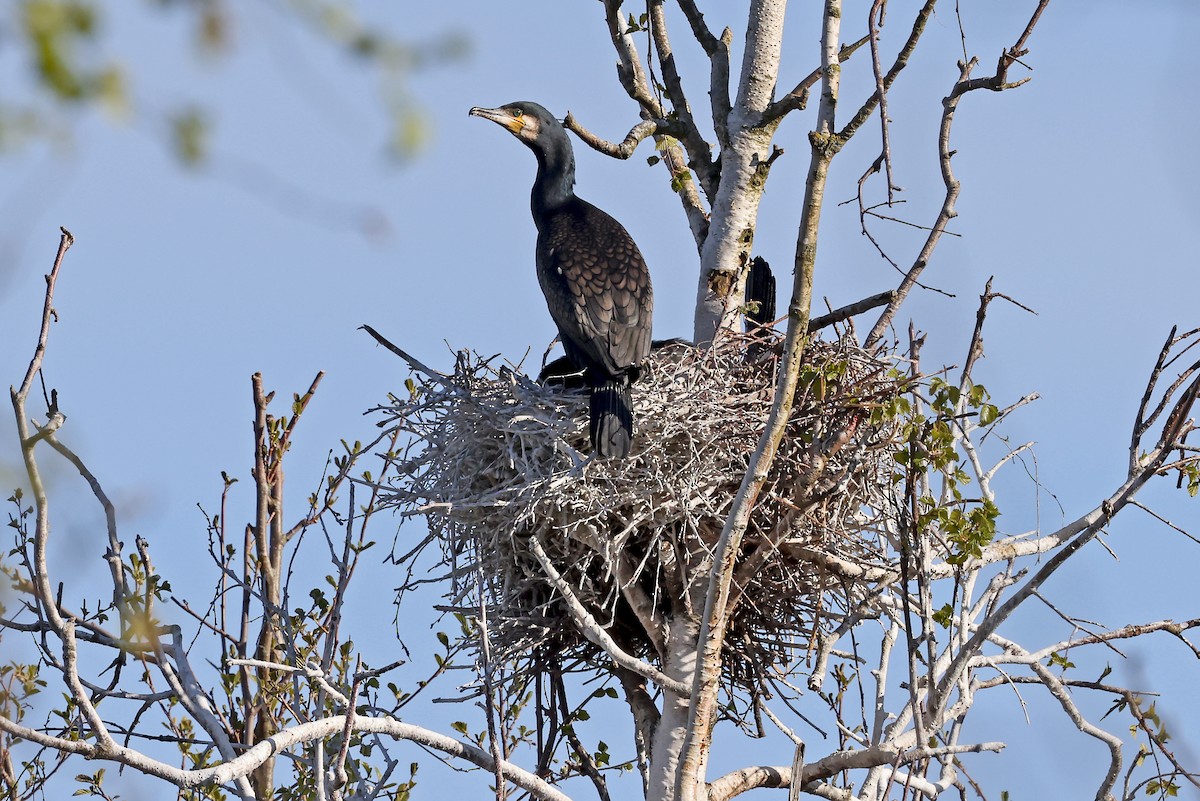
(592, 274)
(760, 301)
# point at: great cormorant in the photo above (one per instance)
(592, 274)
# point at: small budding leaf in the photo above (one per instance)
(189, 135)
(1061, 661)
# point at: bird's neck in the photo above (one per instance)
(555, 180)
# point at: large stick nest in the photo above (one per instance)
(495, 459)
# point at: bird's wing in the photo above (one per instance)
(597, 287)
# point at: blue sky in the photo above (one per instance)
(1079, 195)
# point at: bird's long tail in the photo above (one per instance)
(611, 425)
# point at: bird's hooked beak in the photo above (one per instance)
(501, 116)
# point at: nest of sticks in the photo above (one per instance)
(497, 464)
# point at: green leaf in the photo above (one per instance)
(1060, 660)
(978, 395)
(680, 180)
(988, 414)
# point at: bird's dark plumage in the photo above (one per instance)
(760, 294)
(760, 302)
(595, 280)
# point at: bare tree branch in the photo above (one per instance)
(797, 99)
(997, 82)
(699, 152)
(595, 633)
(741, 781)
(312, 731)
(718, 54)
(716, 609)
(618, 150)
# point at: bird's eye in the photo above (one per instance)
(516, 112)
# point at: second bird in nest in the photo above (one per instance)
(594, 278)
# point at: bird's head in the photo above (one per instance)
(527, 121)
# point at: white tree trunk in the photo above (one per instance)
(720, 295)
(721, 292)
(680, 664)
